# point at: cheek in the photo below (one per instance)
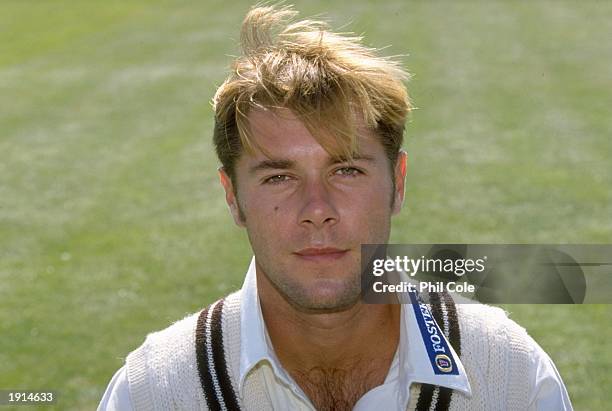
(371, 210)
(269, 229)
(266, 216)
(266, 209)
(375, 198)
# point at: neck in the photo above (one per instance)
(360, 334)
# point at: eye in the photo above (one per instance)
(277, 179)
(348, 171)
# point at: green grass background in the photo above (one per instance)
(112, 223)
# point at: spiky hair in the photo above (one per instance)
(328, 80)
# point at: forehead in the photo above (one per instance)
(280, 133)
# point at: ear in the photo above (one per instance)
(400, 181)
(230, 197)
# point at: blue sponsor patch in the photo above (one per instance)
(440, 355)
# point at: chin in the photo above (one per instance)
(326, 297)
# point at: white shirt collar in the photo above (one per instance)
(255, 345)
(413, 362)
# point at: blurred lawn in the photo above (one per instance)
(112, 223)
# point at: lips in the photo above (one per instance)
(321, 254)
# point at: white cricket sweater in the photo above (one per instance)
(495, 352)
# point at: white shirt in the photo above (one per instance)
(410, 365)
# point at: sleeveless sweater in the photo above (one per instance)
(194, 363)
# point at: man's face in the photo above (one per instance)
(307, 214)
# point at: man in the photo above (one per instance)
(308, 129)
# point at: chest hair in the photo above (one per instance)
(339, 389)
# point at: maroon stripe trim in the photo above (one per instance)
(425, 397)
(220, 363)
(444, 399)
(436, 310)
(203, 364)
(454, 333)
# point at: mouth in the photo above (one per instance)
(321, 254)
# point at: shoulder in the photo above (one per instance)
(153, 368)
(137, 384)
(117, 396)
(498, 355)
(487, 328)
(505, 364)
(179, 338)
(478, 321)
(165, 367)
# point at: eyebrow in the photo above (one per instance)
(280, 164)
(272, 165)
(356, 157)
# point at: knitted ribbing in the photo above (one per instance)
(255, 397)
(520, 350)
(231, 338)
(211, 356)
(496, 354)
(162, 371)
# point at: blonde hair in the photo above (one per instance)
(328, 80)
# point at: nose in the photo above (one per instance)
(318, 208)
